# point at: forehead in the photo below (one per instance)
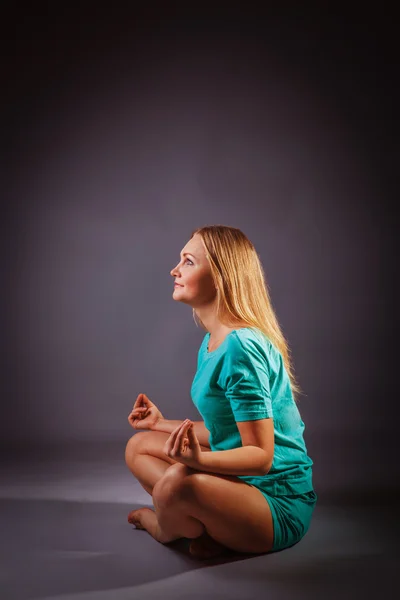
(195, 246)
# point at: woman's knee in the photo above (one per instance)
(134, 445)
(175, 484)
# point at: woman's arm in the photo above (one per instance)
(248, 460)
(200, 429)
(253, 458)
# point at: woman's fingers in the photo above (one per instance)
(193, 441)
(175, 431)
(173, 435)
(180, 437)
(145, 400)
(136, 414)
(175, 442)
(176, 448)
(141, 400)
(169, 444)
(138, 411)
(139, 404)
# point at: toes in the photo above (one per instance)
(133, 517)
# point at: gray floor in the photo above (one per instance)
(64, 535)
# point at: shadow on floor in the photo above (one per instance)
(69, 550)
(54, 547)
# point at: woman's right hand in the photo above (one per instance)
(145, 414)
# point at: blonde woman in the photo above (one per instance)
(241, 479)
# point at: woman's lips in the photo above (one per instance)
(177, 285)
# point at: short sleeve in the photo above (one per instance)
(245, 380)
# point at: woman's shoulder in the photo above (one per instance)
(253, 343)
(247, 341)
(250, 337)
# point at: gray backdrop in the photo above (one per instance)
(117, 143)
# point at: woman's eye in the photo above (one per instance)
(188, 259)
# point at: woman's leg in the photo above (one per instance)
(146, 460)
(233, 512)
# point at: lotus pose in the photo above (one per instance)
(241, 478)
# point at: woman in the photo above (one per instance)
(241, 479)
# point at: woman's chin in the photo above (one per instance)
(177, 294)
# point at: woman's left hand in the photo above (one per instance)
(183, 446)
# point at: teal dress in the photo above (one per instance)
(245, 379)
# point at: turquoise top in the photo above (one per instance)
(245, 379)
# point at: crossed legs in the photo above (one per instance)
(190, 503)
(146, 460)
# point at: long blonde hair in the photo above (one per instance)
(243, 297)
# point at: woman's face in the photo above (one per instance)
(193, 274)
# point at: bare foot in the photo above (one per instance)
(143, 518)
(146, 518)
(206, 547)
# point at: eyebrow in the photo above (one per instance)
(188, 253)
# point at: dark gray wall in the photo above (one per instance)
(122, 135)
